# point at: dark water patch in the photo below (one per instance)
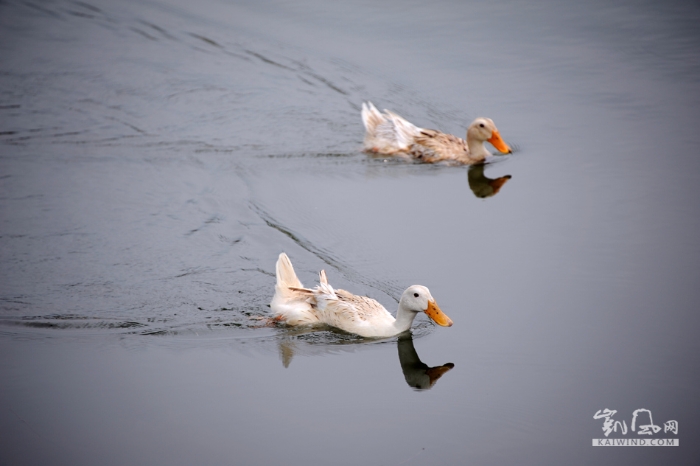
(71, 322)
(42, 9)
(230, 241)
(15, 300)
(159, 333)
(209, 221)
(259, 270)
(129, 125)
(194, 271)
(267, 60)
(327, 82)
(206, 40)
(88, 6)
(158, 29)
(202, 321)
(80, 14)
(338, 155)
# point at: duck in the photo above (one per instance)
(294, 305)
(389, 134)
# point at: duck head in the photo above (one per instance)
(417, 299)
(482, 130)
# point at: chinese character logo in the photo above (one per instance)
(647, 428)
(671, 426)
(609, 425)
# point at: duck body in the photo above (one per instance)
(389, 134)
(295, 305)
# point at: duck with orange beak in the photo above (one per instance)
(294, 305)
(390, 134)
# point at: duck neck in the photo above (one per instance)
(404, 319)
(477, 150)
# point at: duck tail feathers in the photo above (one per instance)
(286, 277)
(404, 130)
(371, 118)
(386, 132)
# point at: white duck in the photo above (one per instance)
(295, 305)
(391, 134)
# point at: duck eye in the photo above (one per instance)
(415, 295)
(481, 125)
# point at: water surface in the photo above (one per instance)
(156, 157)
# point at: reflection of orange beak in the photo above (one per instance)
(436, 372)
(498, 183)
(499, 143)
(437, 315)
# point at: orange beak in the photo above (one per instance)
(499, 143)
(437, 315)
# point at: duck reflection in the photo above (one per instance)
(418, 375)
(308, 342)
(483, 186)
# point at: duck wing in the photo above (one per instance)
(363, 307)
(433, 146)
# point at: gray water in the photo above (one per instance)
(157, 156)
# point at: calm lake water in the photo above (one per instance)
(156, 157)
